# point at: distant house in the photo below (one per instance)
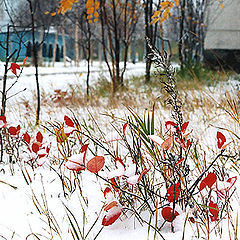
(22, 39)
(222, 42)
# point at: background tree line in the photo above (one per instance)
(113, 24)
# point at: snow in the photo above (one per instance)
(42, 190)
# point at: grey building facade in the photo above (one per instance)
(222, 42)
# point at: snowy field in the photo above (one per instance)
(34, 206)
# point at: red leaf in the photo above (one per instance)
(173, 190)
(110, 205)
(208, 181)
(179, 161)
(173, 124)
(232, 182)
(14, 130)
(3, 122)
(120, 161)
(192, 220)
(188, 143)
(114, 184)
(26, 138)
(167, 213)
(106, 191)
(180, 142)
(96, 164)
(167, 143)
(35, 147)
(184, 127)
(68, 121)
(24, 61)
(39, 137)
(125, 127)
(214, 211)
(221, 139)
(3, 119)
(84, 148)
(75, 163)
(109, 219)
(14, 67)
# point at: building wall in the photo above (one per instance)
(223, 26)
(23, 41)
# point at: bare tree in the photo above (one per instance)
(192, 14)
(150, 30)
(118, 22)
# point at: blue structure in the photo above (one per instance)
(22, 41)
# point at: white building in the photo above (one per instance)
(222, 42)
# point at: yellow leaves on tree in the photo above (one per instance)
(66, 5)
(221, 3)
(92, 7)
(164, 12)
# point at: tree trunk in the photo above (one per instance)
(181, 31)
(55, 47)
(40, 52)
(64, 47)
(35, 60)
(76, 46)
(100, 53)
(148, 34)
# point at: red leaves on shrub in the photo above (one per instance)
(125, 127)
(173, 192)
(167, 143)
(107, 191)
(221, 139)
(84, 148)
(192, 220)
(179, 161)
(3, 121)
(26, 138)
(113, 209)
(96, 164)
(110, 205)
(118, 159)
(133, 180)
(68, 121)
(114, 184)
(75, 162)
(84, 151)
(170, 123)
(14, 131)
(232, 182)
(39, 137)
(24, 61)
(208, 181)
(224, 187)
(112, 216)
(167, 213)
(14, 67)
(213, 209)
(35, 147)
(163, 144)
(184, 127)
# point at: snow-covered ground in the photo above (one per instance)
(61, 77)
(26, 212)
